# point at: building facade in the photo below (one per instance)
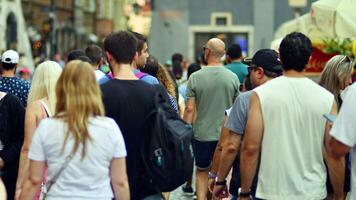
(13, 32)
(184, 26)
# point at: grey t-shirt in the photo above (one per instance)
(238, 115)
(237, 122)
(214, 90)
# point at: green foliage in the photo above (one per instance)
(339, 46)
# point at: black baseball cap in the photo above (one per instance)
(267, 59)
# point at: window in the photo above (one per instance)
(221, 19)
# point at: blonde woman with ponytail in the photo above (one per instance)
(84, 151)
(41, 103)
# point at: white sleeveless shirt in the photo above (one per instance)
(292, 165)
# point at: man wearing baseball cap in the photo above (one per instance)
(264, 66)
(8, 82)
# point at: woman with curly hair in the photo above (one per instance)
(157, 70)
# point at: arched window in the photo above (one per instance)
(11, 31)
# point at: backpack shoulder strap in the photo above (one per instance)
(160, 90)
(140, 75)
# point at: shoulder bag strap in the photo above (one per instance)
(50, 183)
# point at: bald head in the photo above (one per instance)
(217, 47)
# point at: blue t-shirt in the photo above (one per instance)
(15, 86)
(147, 78)
(104, 79)
(183, 91)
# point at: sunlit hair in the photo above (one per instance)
(78, 98)
(43, 83)
(166, 80)
(336, 71)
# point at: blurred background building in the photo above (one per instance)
(185, 25)
(39, 29)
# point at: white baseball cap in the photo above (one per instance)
(10, 56)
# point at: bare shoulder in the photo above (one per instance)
(34, 108)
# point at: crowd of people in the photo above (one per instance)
(77, 131)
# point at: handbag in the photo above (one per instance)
(45, 187)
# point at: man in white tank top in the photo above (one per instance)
(286, 125)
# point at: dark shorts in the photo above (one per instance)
(203, 153)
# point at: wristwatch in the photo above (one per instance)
(220, 182)
(245, 194)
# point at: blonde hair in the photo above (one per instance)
(336, 71)
(43, 83)
(166, 80)
(78, 98)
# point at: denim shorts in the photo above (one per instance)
(203, 153)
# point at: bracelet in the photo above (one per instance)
(211, 175)
(220, 182)
(245, 194)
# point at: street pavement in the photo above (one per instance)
(178, 194)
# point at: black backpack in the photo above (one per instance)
(166, 152)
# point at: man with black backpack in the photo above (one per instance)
(157, 140)
(129, 101)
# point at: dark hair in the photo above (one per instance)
(141, 40)
(295, 50)
(177, 57)
(177, 70)
(94, 53)
(122, 46)
(234, 51)
(193, 68)
(84, 59)
(8, 66)
(202, 58)
(151, 66)
(247, 83)
(75, 54)
(272, 74)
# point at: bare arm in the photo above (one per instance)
(224, 137)
(33, 112)
(119, 179)
(219, 147)
(2, 191)
(228, 154)
(33, 181)
(336, 164)
(188, 116)
(251, 144)
(338, 149)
